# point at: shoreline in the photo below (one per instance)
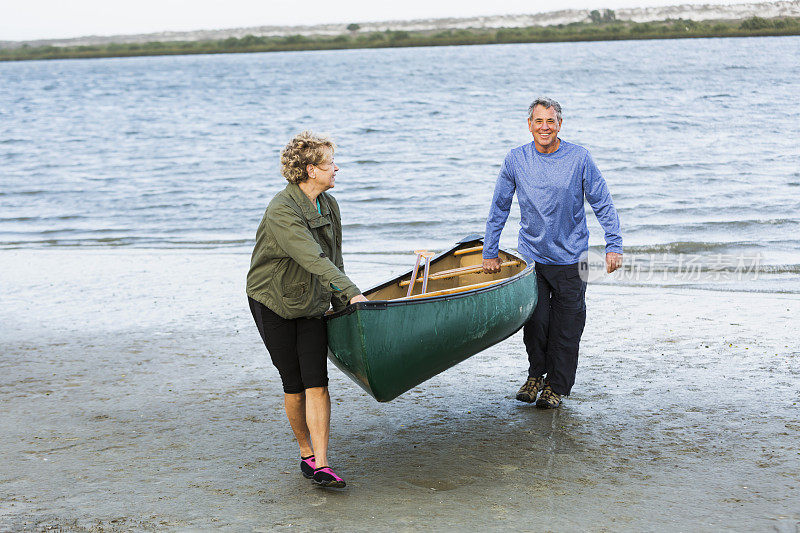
(396, 263)
(138, 395)
(575, 32)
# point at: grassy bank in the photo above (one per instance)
(604, 28)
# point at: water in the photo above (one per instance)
(698, 140)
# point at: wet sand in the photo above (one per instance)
(135, 394)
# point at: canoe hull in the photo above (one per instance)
(390, 347)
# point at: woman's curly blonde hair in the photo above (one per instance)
(306, 148)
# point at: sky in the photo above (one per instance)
(55, 19)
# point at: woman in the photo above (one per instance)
(296, 272)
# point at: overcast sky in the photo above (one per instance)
(47, 19)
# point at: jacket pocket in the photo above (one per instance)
(296, 296)
(291, 288)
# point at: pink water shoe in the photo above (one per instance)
(325, 477)
(307, 466)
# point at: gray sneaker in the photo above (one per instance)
(528, 392)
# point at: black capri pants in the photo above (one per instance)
(298, 347)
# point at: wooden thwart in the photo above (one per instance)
(469, 250)
(455, 272)
(454, 290)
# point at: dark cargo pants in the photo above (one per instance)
(553, 332)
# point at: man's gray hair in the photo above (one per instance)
(547, 103)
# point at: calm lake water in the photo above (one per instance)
(699, 141)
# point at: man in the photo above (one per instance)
(551, 178)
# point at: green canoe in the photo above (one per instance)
(394, 342)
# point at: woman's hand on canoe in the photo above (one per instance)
(358, 298)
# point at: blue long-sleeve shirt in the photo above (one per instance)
(550, 189)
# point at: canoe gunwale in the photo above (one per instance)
(384, 304)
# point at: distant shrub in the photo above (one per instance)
(373, 37)
(506, 35)
(606, 16)
(395, 36)
(642, 28)
(252, 40)
(785, 23)
(294, 39)
(353, 27)
(755, 23)
(684, 25)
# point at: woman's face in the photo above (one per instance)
(324, 174)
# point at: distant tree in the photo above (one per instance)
(353, 27)
(596, 17)
(609, 15)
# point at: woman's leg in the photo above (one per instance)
(280, 337)
(312, 351)
(295, 405)
(318, 418)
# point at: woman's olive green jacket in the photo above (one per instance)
(297, 269)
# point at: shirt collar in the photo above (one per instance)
(309, 209)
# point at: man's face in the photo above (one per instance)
(544, 125)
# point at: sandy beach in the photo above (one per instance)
(135, 394)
